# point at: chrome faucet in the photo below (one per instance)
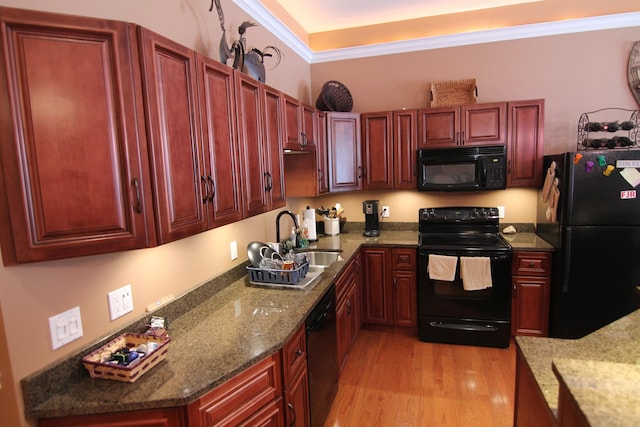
(295, 222)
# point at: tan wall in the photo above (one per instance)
(560, 69)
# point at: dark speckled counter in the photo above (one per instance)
(601, 370)
(527, 242)
(217, 331)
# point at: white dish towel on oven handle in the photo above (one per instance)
(475, 273)
(442, 267)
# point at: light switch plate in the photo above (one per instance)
(233, 247)
(500, 211)
(65, 327)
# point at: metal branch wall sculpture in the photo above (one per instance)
(251, 62)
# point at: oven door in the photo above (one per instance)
(449, 313)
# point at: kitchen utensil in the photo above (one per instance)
(254, 252)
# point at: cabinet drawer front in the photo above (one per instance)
(235, 400)
(403, 259)
(531, 263)
(294, 355)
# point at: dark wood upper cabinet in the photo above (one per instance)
(389, 143)
(260, 128)
(405, 144)
(173, 125)
(221, 179)
(273, 148)
(475, 124)
(74, 175)
(377, 150)
(525, 144)
(344, 151)
(292, 118)
(254, 170)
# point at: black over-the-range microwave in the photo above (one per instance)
(462, 169)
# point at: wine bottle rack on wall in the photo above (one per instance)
(609, 128)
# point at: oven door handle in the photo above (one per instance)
(463, 327)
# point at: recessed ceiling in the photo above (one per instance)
(330, 30)
(328, 15)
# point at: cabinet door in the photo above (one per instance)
(221, 178)
(484, 124)
(343, 331)
(273, 149)
(405, 143)
(169, 417)
(439, 127)
(254, 171)
(74, 161)
(170, 91)
(234, 401)
(322, 160)
(405, 311)
(309, 124)
(525, 143)
(377, 296)
(530, 306)
(270, 415)
(345, 162)
(297, 411)
(292, 123)
(377, 150)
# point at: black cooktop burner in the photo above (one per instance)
(460, 228)
(479, 241)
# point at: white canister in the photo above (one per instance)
(331, 226)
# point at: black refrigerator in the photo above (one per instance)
(589, 210)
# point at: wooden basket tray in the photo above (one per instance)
(98, 369)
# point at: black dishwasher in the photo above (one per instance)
(322, 357)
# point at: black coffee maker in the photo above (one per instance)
(371, 218)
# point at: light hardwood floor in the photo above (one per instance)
(393, 379)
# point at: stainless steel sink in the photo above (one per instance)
(322, 259)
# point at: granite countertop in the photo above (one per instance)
(214, 339)
(215, 334)
(601, 370)
(527, 241)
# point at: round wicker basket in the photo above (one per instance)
(334, 96)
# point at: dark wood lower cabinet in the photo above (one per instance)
(348, 308)
(531, 408)
(389, 286)
(171, 417)
(531, 280)
(240, 398)
(296, 380)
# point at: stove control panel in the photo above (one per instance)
(457, 214)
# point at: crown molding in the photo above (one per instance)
(263, 16)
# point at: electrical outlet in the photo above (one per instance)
(385, 212)
(120, 302)
(233, 247)
(500, 211)
(65, 327)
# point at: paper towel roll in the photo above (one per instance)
(309, 219)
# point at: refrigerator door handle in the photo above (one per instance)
(566, 262)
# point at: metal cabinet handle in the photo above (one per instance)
(213, 188)
(269, 181)
(299, 352)
(463, 140)
(293, 411)
(205, 196)
(138, 203)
